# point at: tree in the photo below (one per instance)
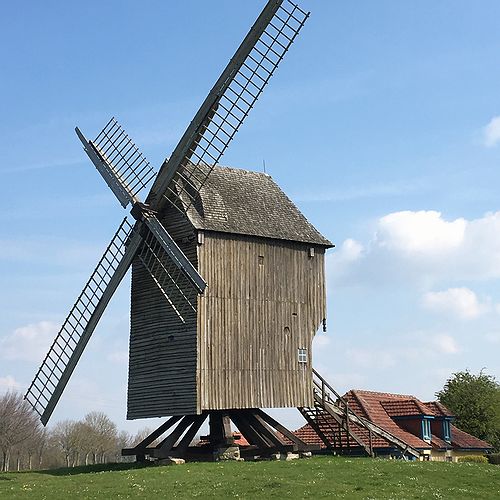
(104, 434)
(123, 440)
(475, 401)
(66, 436)
(18, 423)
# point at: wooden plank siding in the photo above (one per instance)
(163, 350)
(265, 299)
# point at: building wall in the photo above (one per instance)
(412, 425)
(453, 455)
(163, 350)
(265, 300)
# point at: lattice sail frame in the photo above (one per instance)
(233, 102)
(65, 351)
(128, 163)
(119, 161)
(177, 289)
(127, 171)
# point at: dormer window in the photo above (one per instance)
(426, 429)
(446, 431)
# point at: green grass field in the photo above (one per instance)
(318, 477)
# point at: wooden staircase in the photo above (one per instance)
(342, 430)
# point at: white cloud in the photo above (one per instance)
(28, 343)
(350, 250)
(422, 232)
(491, 133)
(340, 261)
(422, 247)
(461, 302)
(445, 344)
(9, 383)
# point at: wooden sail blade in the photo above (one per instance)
(178, 290)
(62, 357)
(119, 161)
(227, 105)
(176, 255)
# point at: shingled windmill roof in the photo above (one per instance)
(251, 203)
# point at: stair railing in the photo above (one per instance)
(325, 391)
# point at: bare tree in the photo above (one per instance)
(25, 444)
(35, 446)
(65, 434)
(104, 434)
(123, 440)
(18, 423)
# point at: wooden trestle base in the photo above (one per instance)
(264, 434)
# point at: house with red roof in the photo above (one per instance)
(426, 427)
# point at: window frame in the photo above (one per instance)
(426, 429)
(446, 430)
(302, 355)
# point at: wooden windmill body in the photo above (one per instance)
(248, 343)
(228, 281)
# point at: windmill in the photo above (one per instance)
(227, 275)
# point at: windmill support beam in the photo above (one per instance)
(220, 429)
(264, 434)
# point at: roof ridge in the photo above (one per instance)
(363, 404)
(246, 170)
(409, 396)
(445, 411)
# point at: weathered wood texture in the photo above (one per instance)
(163, 350)
(265, 299)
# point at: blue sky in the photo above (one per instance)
(381, 124)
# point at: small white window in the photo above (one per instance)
(302, 352)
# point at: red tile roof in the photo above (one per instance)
(439, 409)
(404, 408)
(307, 434)
(440, 444)
(383, 408)
(463, 440)
(371, 403)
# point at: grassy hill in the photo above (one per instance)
(306, 478)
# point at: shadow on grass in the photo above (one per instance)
(3, 478)
(92, 469)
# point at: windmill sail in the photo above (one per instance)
(59, 363)
(126, 170)
(119, 161)
(227, 105)
(179, 291)
(176, 255)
